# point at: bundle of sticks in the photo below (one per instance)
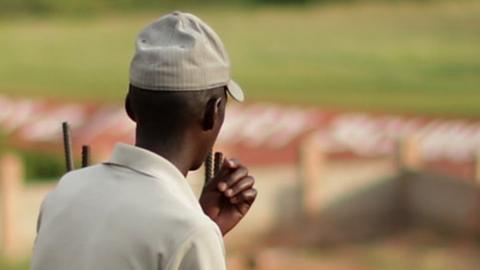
(67, 145)
(213, 162)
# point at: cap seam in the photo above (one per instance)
(176, 88)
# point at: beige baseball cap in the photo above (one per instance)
(179, 52)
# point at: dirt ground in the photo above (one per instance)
(418, 249)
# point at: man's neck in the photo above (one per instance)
(179, 156)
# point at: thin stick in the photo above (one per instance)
(67, 145)
(218, 160)
(85, 156)
(209, 167)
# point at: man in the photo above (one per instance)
(136, 211)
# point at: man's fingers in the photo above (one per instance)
(236, 175)
(227, 165)
(231, 172)
(239, 186)
(247, 197)
(232, 163)
(224, 170)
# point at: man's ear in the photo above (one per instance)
(128, 108)
(212, 113)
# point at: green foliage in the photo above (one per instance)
(377, 57)
(38, 165)
(42, 166)
(292, 2)
(3, 141)
(95, 6)
(406, 57)
(84, 7)
(17, 265)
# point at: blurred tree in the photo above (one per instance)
(283, 1)
(91, 6)
(42, 166)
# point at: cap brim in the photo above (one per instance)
(235, 91)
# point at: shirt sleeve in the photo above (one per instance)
(203, 250)
(39, 221)
(40, 214)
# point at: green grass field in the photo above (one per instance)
(407, 57)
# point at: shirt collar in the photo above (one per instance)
(151, 164)
(144, 161)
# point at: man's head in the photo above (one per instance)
(170, 119)
(179, 52)
(179, 80)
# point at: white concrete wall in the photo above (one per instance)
(352, 194)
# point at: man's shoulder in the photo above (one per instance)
(82, 174)
(180, 220)
(132, 200)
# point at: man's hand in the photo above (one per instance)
(228, 196)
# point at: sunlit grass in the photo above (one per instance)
(413, 57)
(14, 264)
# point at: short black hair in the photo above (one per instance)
(169, 111)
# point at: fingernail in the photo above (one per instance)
(229, 192)
(222, 186)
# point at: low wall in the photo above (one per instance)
(444, 202)
(279, 202)
(353, 199)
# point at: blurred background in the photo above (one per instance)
(362, 122)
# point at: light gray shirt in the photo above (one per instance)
(135, 211)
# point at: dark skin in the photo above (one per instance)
(227, 198)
